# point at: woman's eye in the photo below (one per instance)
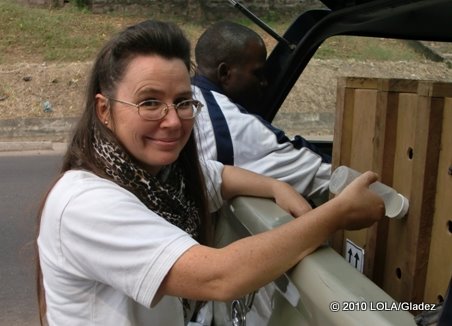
(151, 104)
(184, 104)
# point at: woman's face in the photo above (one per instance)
(154, 143)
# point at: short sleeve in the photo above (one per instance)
(104, 233)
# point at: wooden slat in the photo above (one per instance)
(383, 84)
(395, 269)
(383, 164)
(361, 157)
(409, 239)
(440, 258)
(343, 124)
(342, 140)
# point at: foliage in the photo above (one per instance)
(81, 4)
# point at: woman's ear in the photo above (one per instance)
(103, 109)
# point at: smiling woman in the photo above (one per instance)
(125, 231)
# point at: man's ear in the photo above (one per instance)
(223, 73)
(103, 109)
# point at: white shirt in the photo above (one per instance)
(104, 254)
(226, 132)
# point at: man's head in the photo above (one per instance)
(233, 56)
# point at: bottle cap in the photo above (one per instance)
(402, 208)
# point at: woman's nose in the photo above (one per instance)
(171, 118)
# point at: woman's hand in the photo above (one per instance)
(363, 206)
(289, 199)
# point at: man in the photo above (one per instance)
(229, 78)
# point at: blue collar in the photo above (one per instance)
(205, 83)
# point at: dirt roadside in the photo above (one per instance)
(52, 94)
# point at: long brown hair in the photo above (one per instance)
(148, 37)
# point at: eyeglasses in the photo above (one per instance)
(156, 110)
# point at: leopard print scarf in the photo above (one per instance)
(164, 194)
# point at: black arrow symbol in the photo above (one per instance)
(356, 260)
(350, 255)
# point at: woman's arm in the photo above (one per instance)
(243, 266)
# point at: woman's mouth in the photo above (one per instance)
(165, 142)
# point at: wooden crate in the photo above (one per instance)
(401, 129)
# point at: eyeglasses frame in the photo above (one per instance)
(197, 106)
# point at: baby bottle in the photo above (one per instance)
(396, 205)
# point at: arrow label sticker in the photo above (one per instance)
(354, 255)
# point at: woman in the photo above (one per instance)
(126, 226)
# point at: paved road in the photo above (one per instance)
(24, 179)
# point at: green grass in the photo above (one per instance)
(70, 34)
(49, 35)
(66, 34)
